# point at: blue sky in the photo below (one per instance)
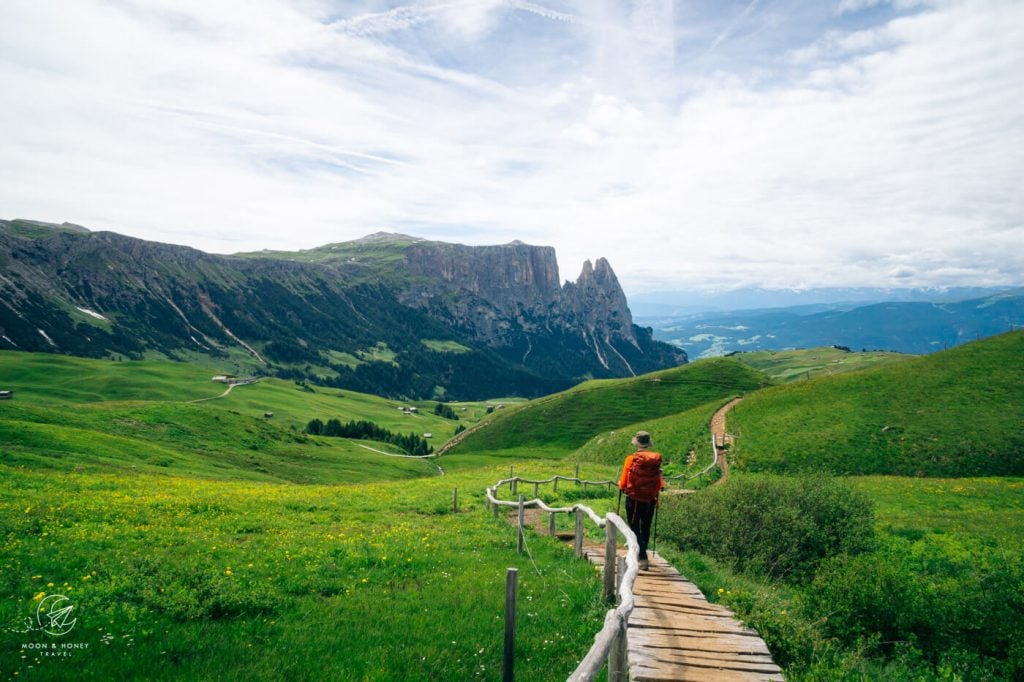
(697, 145)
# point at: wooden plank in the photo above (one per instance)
(648, 590)
(711, 618)
(648, 618)
(676, 634)
(666, 580)
(683, 605)
(747, 662)
(683, 673)
(723, 644)
(717, 643)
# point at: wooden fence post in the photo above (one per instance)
(511, 587)
(556, 484)
(551, 525)
(620, 573)
(578, 543)
(609, 562)
(535, 489)
(455, 501)
(520, 539)
(495, 508)
(515, 486)
(577, 472)
(618, 655)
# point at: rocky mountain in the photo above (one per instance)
(509, 298)
(388, 314)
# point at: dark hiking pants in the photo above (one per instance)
(639, 515)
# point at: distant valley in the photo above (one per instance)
(903, 326)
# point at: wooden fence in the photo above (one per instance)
(610, 644)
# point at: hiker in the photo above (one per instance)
(642, 482)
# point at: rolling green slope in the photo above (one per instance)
(187, 440)
(558, 425)
(674, 436)
(792, 365)
(168, 418)
(955, 413)
(45, 378)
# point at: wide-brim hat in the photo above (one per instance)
(642, 439)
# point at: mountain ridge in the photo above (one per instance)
(364, 315)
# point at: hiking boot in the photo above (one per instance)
(644, 564)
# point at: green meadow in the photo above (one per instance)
(189, 578)
(563, 423)
(199, 538)
(955, 413)
(794, 365)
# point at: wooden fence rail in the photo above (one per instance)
(610, 642)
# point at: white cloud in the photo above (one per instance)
(879, 152)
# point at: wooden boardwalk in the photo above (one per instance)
(676, 634)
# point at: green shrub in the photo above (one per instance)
(938, 595)
(775, 527)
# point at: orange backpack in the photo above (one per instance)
(643, 480)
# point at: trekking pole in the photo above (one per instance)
(654, 538)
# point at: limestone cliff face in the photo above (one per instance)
(509, 297)
(598, 304)
(486, 289)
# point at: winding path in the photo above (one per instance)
(226, 391)
(722, 438)
(674, 632)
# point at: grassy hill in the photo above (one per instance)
(168, 418)
(674, 436)
(678, 436)
(202, 540)
(792, 365)
(955, 413)
(560, 424)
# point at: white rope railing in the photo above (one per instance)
(610, 642)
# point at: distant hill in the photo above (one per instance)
(904, 327)
(681, 303)
(953, 413)
(795, 365)
(560, 424)
(387, 314)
